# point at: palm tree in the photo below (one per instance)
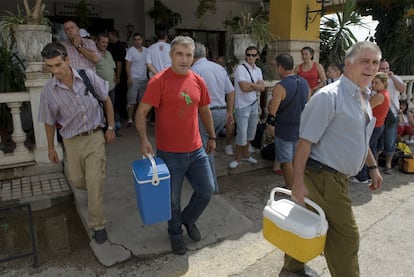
(335, 35)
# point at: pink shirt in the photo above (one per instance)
(77, 60)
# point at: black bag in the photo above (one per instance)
(389, 119)
(258, 138)
(90, 88)
(268, 152)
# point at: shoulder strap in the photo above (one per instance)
(88, 84)
(249, 72)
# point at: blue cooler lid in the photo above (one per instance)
(144, 172)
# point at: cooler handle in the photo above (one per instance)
(155, 180)
(307, 201)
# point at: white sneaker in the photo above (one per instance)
(250, 160)
(233, 164)
(356, 181)
(410, 141)
(251, 149)
(228, 149)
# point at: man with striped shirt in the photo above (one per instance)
(66, 100)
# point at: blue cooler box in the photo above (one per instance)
(152, 188)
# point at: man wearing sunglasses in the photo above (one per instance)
(66, 100)
(248, 82)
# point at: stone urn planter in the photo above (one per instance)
(30, 40)
(240, 43)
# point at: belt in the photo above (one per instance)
(254, 102)
(87, 133)
(218, 108)
(314, 165)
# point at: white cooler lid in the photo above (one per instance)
(295, 218)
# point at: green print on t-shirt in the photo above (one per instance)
(187, 98)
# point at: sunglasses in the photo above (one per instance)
(51, 53)
(251, 55)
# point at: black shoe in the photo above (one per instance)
(178, 246)
(299, 273)
(100, 236)
(193, 232)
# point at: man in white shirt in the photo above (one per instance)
(395, 87)
(136, 70)
(158, 57)
(248, 81)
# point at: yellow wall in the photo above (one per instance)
(287, 19)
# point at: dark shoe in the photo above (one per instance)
(178, 246)
(299, 273)
(193, 232)
(100, 236)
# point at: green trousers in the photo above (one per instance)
(330, 191)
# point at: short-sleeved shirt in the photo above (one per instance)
(75, 110)
(394, 95)
(176, 99)
(217, 80)
(339, 126)
(159, 55)
(105, 69)
(241, 74)
(77, 60)
(138, 62)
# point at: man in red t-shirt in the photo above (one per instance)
(178, 96)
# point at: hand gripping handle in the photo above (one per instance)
(307, 201)
(155, 179)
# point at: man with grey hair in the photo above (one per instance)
(219, 88)
(334, 135)
(179, 97)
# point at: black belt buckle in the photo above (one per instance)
(218, 108)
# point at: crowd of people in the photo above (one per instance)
(316, 118)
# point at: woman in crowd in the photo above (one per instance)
(405, 129)
(312, 71)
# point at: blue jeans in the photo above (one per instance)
(219, 122)
(247, 119)
(196, 168)
(284, 150)
(373, 145)
(389, 139)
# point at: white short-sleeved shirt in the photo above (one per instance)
(217, 81)
(244, 99)
(159, 55)
(138, 62)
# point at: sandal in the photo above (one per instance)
(278, 171)
(387, 170)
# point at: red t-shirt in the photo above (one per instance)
(380, 111)
(176, 99)
(312, 76)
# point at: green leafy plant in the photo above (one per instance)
(335, 35)
(204, 6)
(392, 34)
(164, 17)
(258, 26)
(34, 16)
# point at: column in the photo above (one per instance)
(34, 84)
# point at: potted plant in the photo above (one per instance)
(29, 29)
(249, 30)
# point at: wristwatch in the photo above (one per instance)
(111, 128)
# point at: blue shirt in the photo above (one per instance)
(216, 79)
(339, 125)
